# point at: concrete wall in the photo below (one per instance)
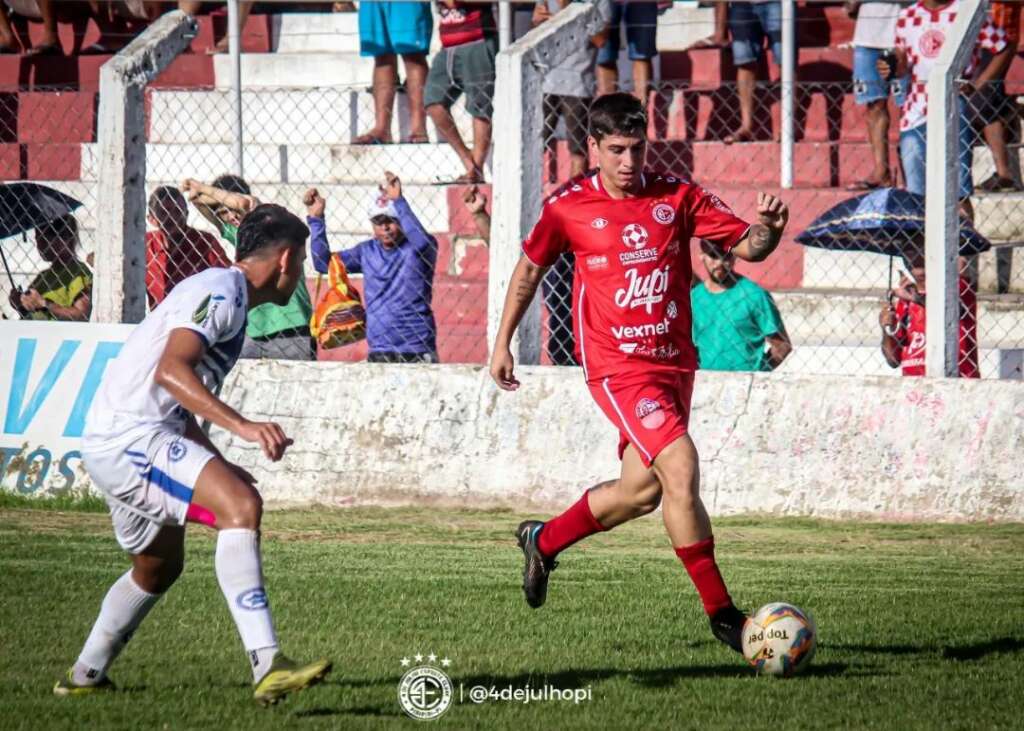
(882, 448)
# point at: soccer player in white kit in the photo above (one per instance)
(143, 447)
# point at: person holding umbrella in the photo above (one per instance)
(63, 291)
(903, 325)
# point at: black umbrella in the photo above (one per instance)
(25, 206)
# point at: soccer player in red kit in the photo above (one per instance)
(630, 231)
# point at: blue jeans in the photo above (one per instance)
(641, 30)
(750, 24)
(868, 84)
(914, 143)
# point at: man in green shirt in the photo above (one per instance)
(63, 291)
(734, 318)
(273, 331)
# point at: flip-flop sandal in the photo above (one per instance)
(417, 140)
(50, 49)
(370, 139)
(738, 136)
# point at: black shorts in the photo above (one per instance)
(989, 103)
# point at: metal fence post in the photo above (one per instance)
(787, 90)
(942, 188)
(235, 50)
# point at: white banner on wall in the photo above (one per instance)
(49, 372)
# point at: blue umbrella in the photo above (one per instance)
(886, 221)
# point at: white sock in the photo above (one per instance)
(123, 609)
(240, 574)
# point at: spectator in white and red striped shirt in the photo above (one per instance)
(921, 31)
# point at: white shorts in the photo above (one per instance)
(147, 481)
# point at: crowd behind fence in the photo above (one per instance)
(807, 309)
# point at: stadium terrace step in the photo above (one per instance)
(330, 116)
(82, 72)
(315, 33)
(293, 70)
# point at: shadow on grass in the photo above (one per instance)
(882, 649)
(982, 649)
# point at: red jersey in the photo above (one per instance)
(166, 266)
(631, 292)
(910, 333)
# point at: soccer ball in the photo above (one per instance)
(779, 639)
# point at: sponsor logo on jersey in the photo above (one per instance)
(252, 599)
(672, 310)
(634, 236)
(598, 261)
(553, 199)
(200, 313)
(628, 348)
(643, 290)
(632, 258)
(650, 413)
(599, 223)
(717, 202)
(576, 188)
(663, 214)
(658, 352)
(647, 330)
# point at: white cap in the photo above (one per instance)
(383, 206)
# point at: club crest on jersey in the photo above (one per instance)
(663, 214)
(650, 413)
(635, 236)
(176, 451)
(599, 223)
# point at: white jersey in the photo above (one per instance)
(129, 403)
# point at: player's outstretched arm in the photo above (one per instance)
(521, 290)
(764, 236)
(176, 372)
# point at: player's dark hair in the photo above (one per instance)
(164, 198)
(266, 226)
(232, 184)
(617, 114)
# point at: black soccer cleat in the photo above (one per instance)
(727, 627)
(538, 566)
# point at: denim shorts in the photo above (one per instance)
(868, 84)
(641, 31)
(750, 24)
(913, 146)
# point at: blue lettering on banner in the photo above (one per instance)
(18, 419)
(27, 471)
(253, 599)
(65, 470)
(103, 355)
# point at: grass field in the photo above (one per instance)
(921, 626)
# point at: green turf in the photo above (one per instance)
(921, 626)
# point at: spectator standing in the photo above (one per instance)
(903, 326)
(175, 250)
(734, 319)
(388, 30)
(397, 265)
(641, 19)
(464, 65)
(194, 7)
(989, 104)
(273, 331)
(64, 290)
(45, 11)
(874, 36)
(569, 88)
(921, 30)
(556, 287)
(751, 24)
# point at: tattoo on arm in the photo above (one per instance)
(762, 241)
(525, 290)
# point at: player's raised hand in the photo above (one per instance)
(268, 435)
(315, 203)
(772, 212)
(502, 369)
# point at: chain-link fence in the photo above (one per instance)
(815, 308)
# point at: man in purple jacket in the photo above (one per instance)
(397, 265)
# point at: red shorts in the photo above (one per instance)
(650, 410)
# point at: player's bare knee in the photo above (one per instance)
(682, 493)
(647, 500)
(157, 576)
(245, 512)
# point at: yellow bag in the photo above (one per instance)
(338, 318)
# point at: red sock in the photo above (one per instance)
(699, 560)
(573, 525)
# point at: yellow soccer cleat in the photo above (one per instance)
(286, 676)
(66, 686)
